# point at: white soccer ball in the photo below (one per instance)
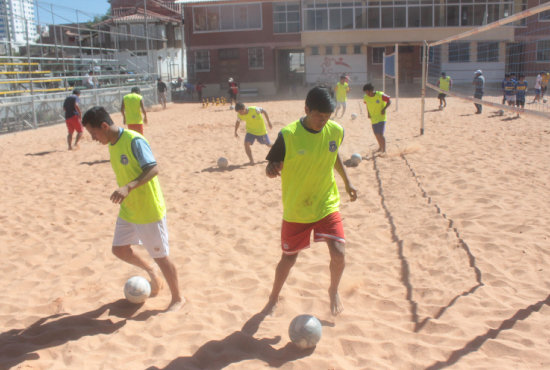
(137, 289)
(354, 116)
(356, 159)
(305, 331)
(544, 100)
(223, 162)
(500, 112)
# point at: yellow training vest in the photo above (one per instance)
(255, 124)
(132, 109)
(375, 104)
(309, 188)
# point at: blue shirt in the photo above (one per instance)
(509, 87)
(69, 105)
(521, 90)
(479, 83)
(141, 150)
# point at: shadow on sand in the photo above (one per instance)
(231, 167)
(237, 347)
(19, 345)
(96, 162)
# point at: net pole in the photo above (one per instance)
(396, 71)
(384, 70)
(423, 100)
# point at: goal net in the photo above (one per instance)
(512, 55)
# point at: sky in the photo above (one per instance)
(65, 11)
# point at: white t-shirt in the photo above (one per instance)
(538, 82)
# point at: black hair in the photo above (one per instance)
(239, 106)
(368, 87)
(76, 92)
(95, 116)
(522, 76)
(136, 90)
(507, 75)
(319, 99)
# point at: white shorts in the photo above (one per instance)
(510, 98)
(153, 236)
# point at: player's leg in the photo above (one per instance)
(170, 274)
(343, 109)
(248, 141)
(378, 130)
(337, 265)
(281, 274)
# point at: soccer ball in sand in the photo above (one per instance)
(223, 162)
(500, 112)
(354, 116)
(355, 159)
(137, 289)
(544, 100)
(305, 331)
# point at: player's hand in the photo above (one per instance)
(236, 135)
(273, 169)
(352, 192)
(383, 111)
(119, 194)
(145, 120)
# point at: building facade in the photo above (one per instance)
(17, 22)
(259, 42)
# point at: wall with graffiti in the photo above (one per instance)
(328, 68)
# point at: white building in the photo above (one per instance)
(15, 17)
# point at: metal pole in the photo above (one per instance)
(396, 68)
(423, 100)
(34, 120)
(54, 33)
(384, 70)
(39, 28)
(78, 31)
(146, 35)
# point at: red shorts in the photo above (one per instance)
(296, 236)
(136, 127)
(74, 124)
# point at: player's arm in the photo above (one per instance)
(339, 167)
(388, 103)
(122, 111)
(276, 157)
(77, 107)
(267, 118)
(143, 110)
(146, 175)
(237, 126)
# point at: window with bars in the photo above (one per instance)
(543, 51)
(255, 58)
(459, 52)
(487, 51)
(286, 17)
(202, 61)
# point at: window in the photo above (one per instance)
(459, 52)
(255, 58)
(543, 51)
(202, 61)
(137, 29)
(378, 55)
(227, 54)
(328, 50)
(487, 51)
(314, 50)
(544, 16)
(356, 49)
(215, 18)
(286, 17)
(343, 50)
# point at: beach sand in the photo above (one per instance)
(448, 248)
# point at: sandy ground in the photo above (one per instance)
(448, 249)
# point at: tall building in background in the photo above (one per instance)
(15, 17)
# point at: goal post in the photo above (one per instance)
(390, 69)
(518, 45)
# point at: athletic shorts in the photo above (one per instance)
(136, 127)
(153, 236)
(250, 138)
(340, 104)
(74, 124)
(520, 101)
(537, 91)
(441, 96)
(510, 98)
(379, 128)
(296, 236)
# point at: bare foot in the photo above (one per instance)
(175, 305)
(336, 306)
(156, 282)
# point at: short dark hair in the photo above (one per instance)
(239, 106)
(76, 92)
(507, 75)
(135, 90)
(368, 87)
(95, 116)
(319, 99)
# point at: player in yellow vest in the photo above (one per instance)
(377, 102)
(142, 216)
(341, 94)
(255, 127)
(444, 83)
(305, 155)
(131, 109)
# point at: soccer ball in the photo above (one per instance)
(500, 112)
(305, 331)
(223, 162)
(137, 289)
(355, 159)
(544, 100)
(353, 116)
